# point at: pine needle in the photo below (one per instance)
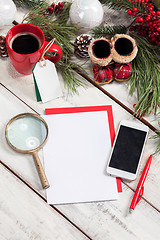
(69, 73)
(28, 3)
(146, 77)
(123, 4)
(52, 27)
(56, 26)
(108, 31)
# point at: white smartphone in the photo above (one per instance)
(127, 150)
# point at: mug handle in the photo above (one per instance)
(56, 49)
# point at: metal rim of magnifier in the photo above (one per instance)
(23, 115)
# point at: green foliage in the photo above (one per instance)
(157, 3)
(63, 15)
(146, 77)
(69, 72)
(52, 27)
(28, 3)
(108, 31)
(56, 26)
(123, 4)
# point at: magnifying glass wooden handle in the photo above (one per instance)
(40, 170)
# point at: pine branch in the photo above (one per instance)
(55, 26)
(52, 27)
(63, 15)
(69, 73)
(123, 4)
(109, 31)
(146, 77)
(28, 3)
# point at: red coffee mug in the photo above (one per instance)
(24, 63)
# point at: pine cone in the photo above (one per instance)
(81, 45)
(3, 47)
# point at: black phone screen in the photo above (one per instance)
(127, 149)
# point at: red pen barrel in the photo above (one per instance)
(140, 188)
(135, 198)
(144, 173)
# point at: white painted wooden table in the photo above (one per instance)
(24, 213)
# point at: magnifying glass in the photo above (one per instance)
(27, 133)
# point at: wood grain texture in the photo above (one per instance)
(23, 215)
(80, 212)
(111, 220)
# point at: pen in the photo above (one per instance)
(140, 188)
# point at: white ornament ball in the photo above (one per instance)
(86, 13)
(7, 12)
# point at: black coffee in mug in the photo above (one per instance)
(25, 43)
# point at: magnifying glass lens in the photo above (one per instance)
(27, 132)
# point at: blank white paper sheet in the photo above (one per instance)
(75, 158)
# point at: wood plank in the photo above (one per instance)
(20, 163)
(99, 220)
(30, 173)
(82, 213)
(111, 220)
(90, 96)
(23, 215)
